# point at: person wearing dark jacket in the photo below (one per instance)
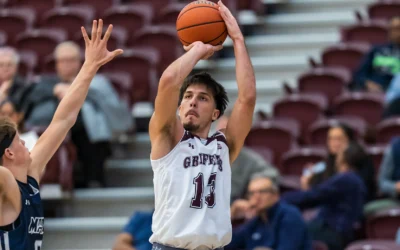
(11, 84)
(272, 223)
(340, 200)
(381, 63)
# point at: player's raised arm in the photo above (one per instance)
(240, 121)
(163, 122)
(96, 55)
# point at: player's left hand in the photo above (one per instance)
(96, 48)
(234, 31)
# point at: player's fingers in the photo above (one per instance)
(94, 30)
(217, 48)
(85, 35)
(188, 47)
(117, 52)
(99, 30)
(108, 33)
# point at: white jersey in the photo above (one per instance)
(192, 186)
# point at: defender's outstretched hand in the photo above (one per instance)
(230, 21)
(205, 50)
(96, 48)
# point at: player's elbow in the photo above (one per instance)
(249, 97)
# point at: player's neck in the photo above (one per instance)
(202, 133)
(19, 172)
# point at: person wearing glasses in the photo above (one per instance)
(271, 223)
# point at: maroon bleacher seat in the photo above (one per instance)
(117, 40)
(68, 18)
(123, 84)
(318, 131)
(330, 82)
(346, 55)
(373, 245)
(303, 107)
(387, 129)
(3, 38)
(319, 245)
(161, 37)
(132, 17)
(266, 153)
(41, 41)
(376, 152)
(14, 21)
(255, 5)
(142, 65)
(40, 7)
(368, 106)
(384, 10)
(170, 13)
(295, 159)
(278, 135)
(157, 5)
(383, 224)
(372, 32)
(27, 64)
(100, 6)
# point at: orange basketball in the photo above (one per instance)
(201, 21)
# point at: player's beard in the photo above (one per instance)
(191, 127)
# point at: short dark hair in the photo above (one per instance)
(218, 91)
(355, 156)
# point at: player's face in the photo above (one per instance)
(20, 153)
(197, 109)
(261, 195)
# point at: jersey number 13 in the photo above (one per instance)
(197, 200)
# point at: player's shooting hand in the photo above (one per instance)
(234, 31)
(205, 50)
(96, 52)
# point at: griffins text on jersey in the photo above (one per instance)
(202, 159)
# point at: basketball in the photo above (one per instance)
(201, 21)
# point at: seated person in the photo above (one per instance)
(102, 115)
(381, 63)
(10, 83)
(392, 98)
(340, 200)
(12, 109)
(246, 164)
(272, 223)
(338, 138)
(389, 179)
(136, 233)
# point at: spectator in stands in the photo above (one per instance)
(389, 179)
(340, 200)
(392, 98)
(102, 116)
(272, 223)
(10, 82)
(381, 63)
(246, 164)
(12, 109)
(136, 233)
(340, 136)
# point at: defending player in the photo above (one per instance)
(21, 213)
(192, 176)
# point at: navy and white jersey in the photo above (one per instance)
(27, 233)
(192, 187)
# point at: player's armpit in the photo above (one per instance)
(124, 241)
(9, 188)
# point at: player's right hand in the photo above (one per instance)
(205, 50)
(96, 52)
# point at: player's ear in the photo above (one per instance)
(215, 114)
(9, 153)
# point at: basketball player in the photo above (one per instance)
(192, 175)
(21, 213)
